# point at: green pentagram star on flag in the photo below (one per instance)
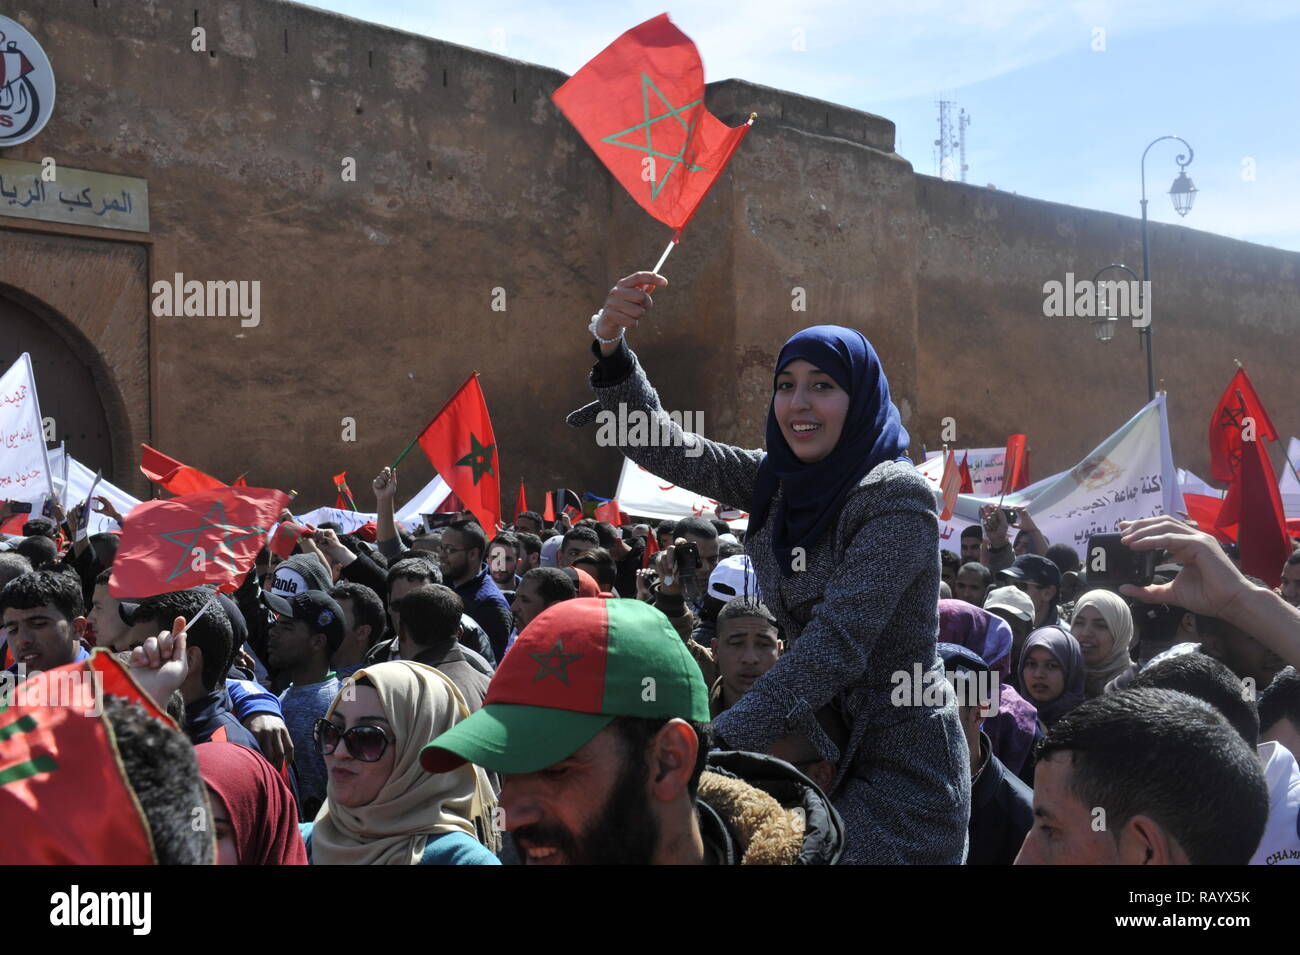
(479, 458)
(214, 520)
(657, 182)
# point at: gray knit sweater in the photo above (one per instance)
(864, 608)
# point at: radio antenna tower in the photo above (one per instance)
(950, 147)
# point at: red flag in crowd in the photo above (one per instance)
(210, 537)
(639, 104)
(285, 538)
(462, 448)
(1015, 465)
(950, 485)
(608, 512)
(548, 515)
(344, 496)
(1254, 504)
(521, 504)
(173, 475)
(651, 547)
(967, 485)
(1238, 403)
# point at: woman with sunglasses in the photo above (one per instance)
(844, 541)
(381, 807)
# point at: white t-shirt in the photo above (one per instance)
(1281, 842)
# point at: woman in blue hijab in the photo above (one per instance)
(843, 537)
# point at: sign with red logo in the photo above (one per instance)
(26, 85)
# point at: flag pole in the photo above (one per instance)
(202, 610)
(664, 258)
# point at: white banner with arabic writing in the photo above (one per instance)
(80, 480)
(1129, 475)
(24, 467)
(642, 494)
(985, 466)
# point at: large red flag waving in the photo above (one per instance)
(211, 537)
(462, 448)
(173, 475)
(1229, 422)
(639, 104)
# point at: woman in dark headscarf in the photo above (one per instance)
(844, 541)
(254, 817)
(1052, 673)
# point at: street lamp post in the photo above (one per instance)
(1182, 192)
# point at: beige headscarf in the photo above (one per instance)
(1115, 612)
(419, 703)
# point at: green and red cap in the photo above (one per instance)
(576, 667)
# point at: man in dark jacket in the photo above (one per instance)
(461, 552)
(1002, 807)
(600, 720)
(430, 634)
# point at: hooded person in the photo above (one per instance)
(1103, 625)
(599, 720)
(1052, 673)
(382, 808)
(1012, 730)
(843, 536)
(254, 815)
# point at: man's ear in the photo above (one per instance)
(1144, 842)
(1187, 625)
(79, 625)
(672, 760)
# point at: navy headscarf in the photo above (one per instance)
(873, 433)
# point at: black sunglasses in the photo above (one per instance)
(366, 743)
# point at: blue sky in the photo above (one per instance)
(1052, 117)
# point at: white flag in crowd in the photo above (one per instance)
(80, 481)
(642, 494)
(24, 465)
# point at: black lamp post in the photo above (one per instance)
(1183, 193)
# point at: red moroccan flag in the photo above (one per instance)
(950, 485)
(462, 448)
(285, 538)
(211, 537)
(173, 475)
(967, 485)
(548, 515)
(651, 548)
(521, 505)
(1015, 465)
(1204, 510)
(343, 500)
(1254, 504)
(607, 512)
(1228, 423)
(640, 107)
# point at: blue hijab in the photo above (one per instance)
(873, 433)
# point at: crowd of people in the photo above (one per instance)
(574, 692)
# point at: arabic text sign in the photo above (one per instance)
(24, 469)
(985, 465)
(77, 196)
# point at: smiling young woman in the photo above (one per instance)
(844, 539)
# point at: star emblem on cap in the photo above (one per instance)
(479, 458)
(555, 663)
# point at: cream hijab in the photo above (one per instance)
(1115, 612)
(419, 703)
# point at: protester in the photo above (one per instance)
(844, 536)
(1041, 580)
(1279, 710)
(575, 542)
(252, 813)
(1291, 579)
(540, 588)
(949, 564)
(1209, 680)
(1013, 606)
(11, 566)
(363, 625)
(383, 808)
(1001, 805)
(1176, 783)
(529, 553)
(1104, 627)
(44, 619)
(461, 553)
(528, 521)
(308, 630)
(502, 559)
(747, 645)
(406, 575)
(1052, 674)
(973, 583)
(601, 566)
(971, 539)
(598, 771)
(430, 634)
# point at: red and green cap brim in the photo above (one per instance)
(513, 738)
